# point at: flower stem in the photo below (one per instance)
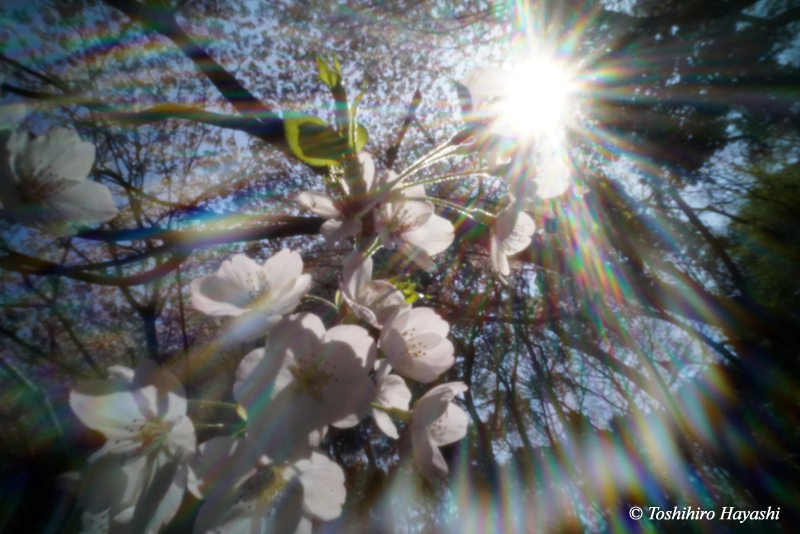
(438, 153)
(396, 413)
(468, 212)
(373, 248)
(213, 404)
(323, 300)
(446, 177)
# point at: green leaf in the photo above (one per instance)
(330, 77)
(352, 119)
(362, 136)
(408, 289)
(313, 141)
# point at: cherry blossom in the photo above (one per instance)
(44, 185)
(139, 476)
(489, 91)
(553, 173)
(344, 214)
(416, 345)
(302, 380)
(435, 422)
(247, 494)
(370, 300)
(323, 486)
(511, 234)
(407, 222)
(257, 295)
(391, 391)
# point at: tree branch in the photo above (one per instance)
(391, 152)
(268, 125)
(178, 243)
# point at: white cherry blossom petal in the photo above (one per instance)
(383, 298)
(290, 298)
(167, 395)
(142, 470)
(498, 260)
(251, 326)
(553, 178)
(305, 526)
(434, 236)
(434, 423)
(57, 155)
(323, 486)
(356, 273)
(105, 407)
(264, 503)
(338, 229)
(216, 296)
(391, 392)
(309, 378)
(224, 461)
(86, 202)
(385, 423)
(283, 268)
(409, 223)
(450, 427)
(319, 204)
(487, 88)
(244, 272)
(418, 256)
(415, 344)
(258, 295)
(43, 181)
(429, 460)
(160, 500)
(242, 389)
(511, 234)
(367, 169)
(370, 300)
(109, 484)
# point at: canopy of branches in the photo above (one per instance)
(487, 266)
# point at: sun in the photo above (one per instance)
(538, 93)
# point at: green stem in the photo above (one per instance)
(396, 413)
(468, 212)
(438, 153)
(211, 403)
(211, 425)
(323, 300)
(446, 177)
(373, 248)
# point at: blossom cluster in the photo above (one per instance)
(43, 181)
(303, 379)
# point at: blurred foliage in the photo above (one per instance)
(767, 237)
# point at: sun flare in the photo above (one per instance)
(538, 93)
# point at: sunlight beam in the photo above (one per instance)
(537, 96)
